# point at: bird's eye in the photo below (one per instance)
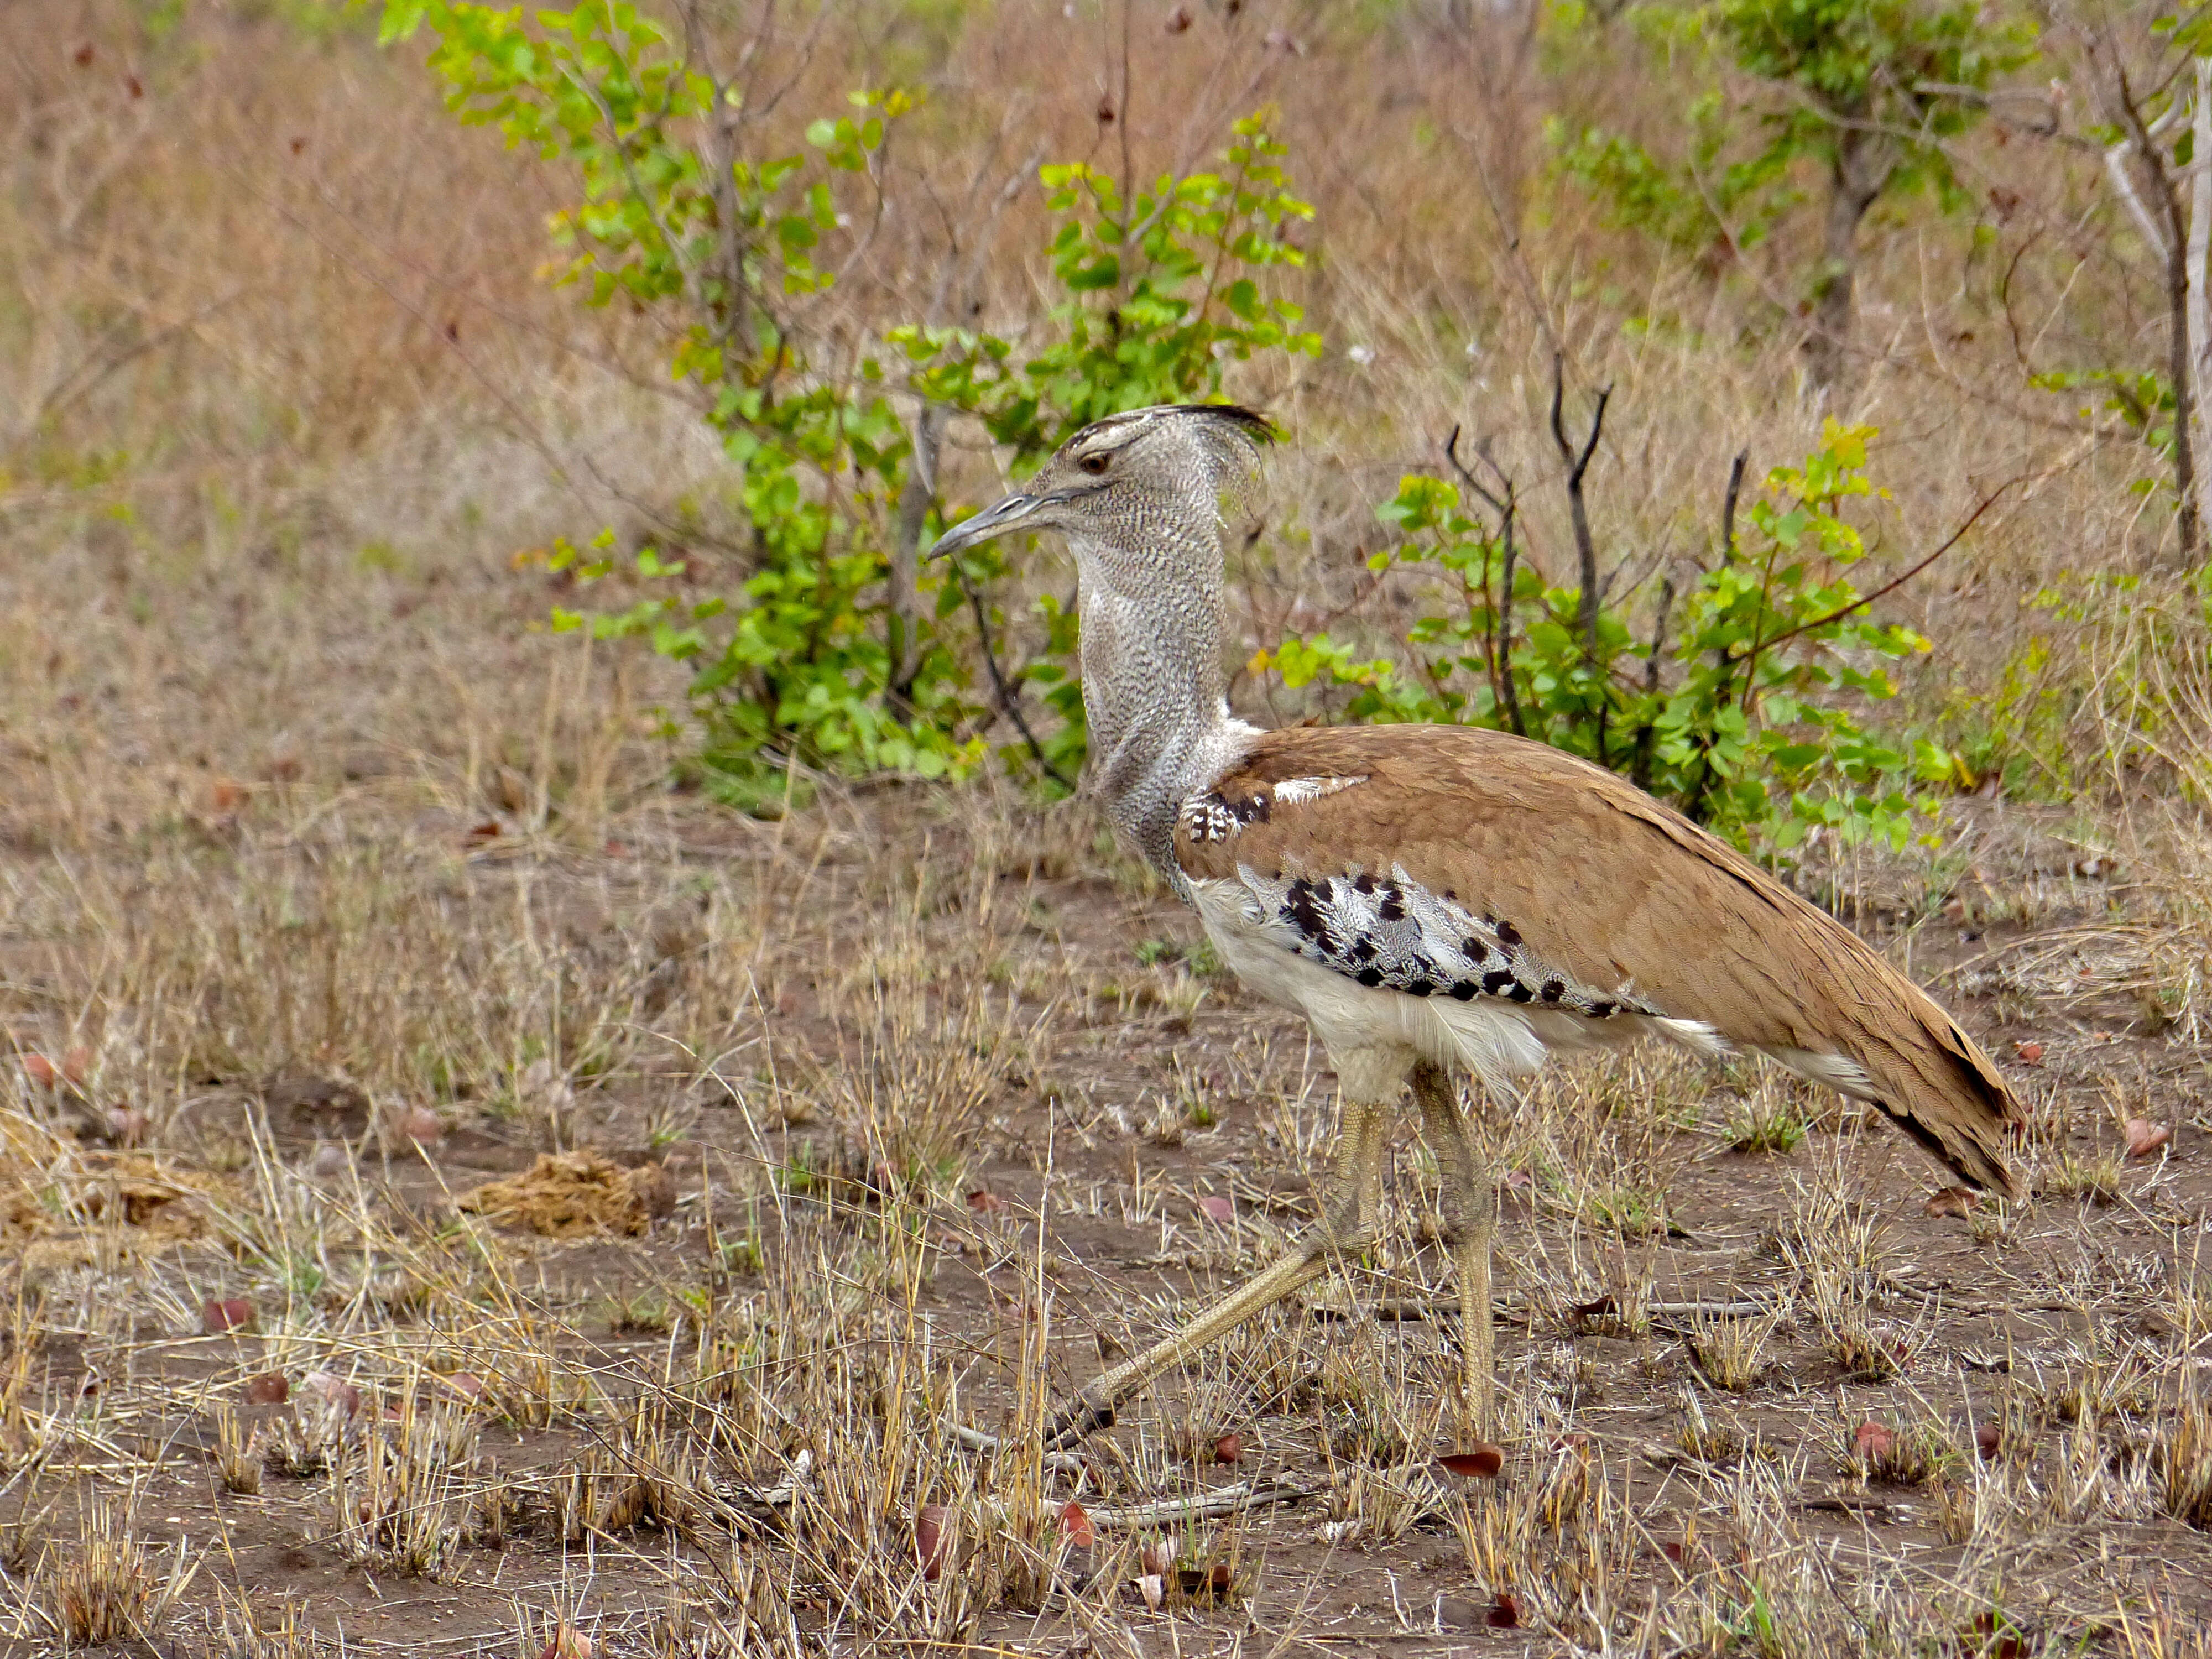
(1094, 464)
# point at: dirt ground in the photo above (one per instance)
(645, 1315)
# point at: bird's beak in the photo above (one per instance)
(992, 522)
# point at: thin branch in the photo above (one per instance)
(1892, 586)
(1501, 613)
(1728, 506)
(1009, 705)
(1578, 467)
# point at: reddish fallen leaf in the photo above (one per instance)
(2029, 1054)
(467, 1384)
(1217, 1209)
(270, 1389)
(1603, 1308)
(1075, 1526)
(1515, 1179)
(986, 1203)
(1213, 1581)
(1989, 1440)
(1672, 1549)
(227, 794)
(1230, 1448)
(76, 1065)
(2145, 1137)
(41, 1070)
(1157, 1557)
(421, 1126)
(83, 55)
(135, 86)
(929, 1539)
(1872, 1440)
(1154, 1587)
(1953, 1201)
(1483, 1462)
(127, 1125)
(334, 1392)
(1505, 1613)
(568, 1643)
(488, 830)
(233, 1314)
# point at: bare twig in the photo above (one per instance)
(1501, 613)
(1009, 705)
(1892, 585)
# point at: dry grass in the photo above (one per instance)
(897, 1112)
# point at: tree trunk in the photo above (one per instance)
(1858, 175)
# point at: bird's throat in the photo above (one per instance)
(1153, 693)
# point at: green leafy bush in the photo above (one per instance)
(800, 662)
(1161, 290)
(811, 659)
(1743, 713)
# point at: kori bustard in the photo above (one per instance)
(1434, 900)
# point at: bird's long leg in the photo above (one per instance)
(1471, 1212)
(1345, 1228)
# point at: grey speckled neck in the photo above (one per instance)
(1152, 683)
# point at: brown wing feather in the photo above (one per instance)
(1614, 888)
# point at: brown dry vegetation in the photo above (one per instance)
(332, 889)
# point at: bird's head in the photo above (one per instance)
(1149, 478)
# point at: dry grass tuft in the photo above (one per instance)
(239, 1458)
(108, 1588)
(572, 1195)
(1731, 1354)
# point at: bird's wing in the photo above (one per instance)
(1573, 888)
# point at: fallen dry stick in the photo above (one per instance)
(1223, 1500)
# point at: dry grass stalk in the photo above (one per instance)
(239, 1458)
(107, 1588)
(1730, 1352)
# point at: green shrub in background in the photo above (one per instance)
(1161, 291)
(1742, 711)
(811, 659)
(676, 220)
(1741, 715)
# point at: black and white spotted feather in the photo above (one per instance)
(1391, 933)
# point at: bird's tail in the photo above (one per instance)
(1908, 1059)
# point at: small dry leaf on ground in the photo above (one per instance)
(333, 1391)
(1075, 1526)
(929, 1539)
(1872, 1440)
(270, 1389)
(2144, 1136)
(569, 1195)
(1953, 1201)
(231, 1314)
(1481, 1463)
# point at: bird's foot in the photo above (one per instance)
(1076, 1422)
